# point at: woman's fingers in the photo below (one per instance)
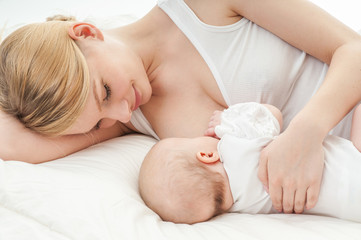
(288, 199)
(276, 194)
(300, 200)
(312, 196)
(293, 170)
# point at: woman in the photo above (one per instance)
(178, 63)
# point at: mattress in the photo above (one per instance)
(93, 194)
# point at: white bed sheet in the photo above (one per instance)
(93, 194)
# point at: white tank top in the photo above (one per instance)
(251, 64)
(247, 128)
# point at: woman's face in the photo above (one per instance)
(118, 85)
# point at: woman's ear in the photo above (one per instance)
(208, 157)
(79, 31)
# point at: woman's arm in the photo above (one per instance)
(19, 143)
(292, 165)
(356, 128)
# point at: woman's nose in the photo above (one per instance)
(120, 111)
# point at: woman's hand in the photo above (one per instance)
(291, 169)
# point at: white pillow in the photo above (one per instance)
(93, 195)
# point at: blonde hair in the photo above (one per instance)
(44, 78)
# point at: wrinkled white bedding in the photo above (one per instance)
(93, 194)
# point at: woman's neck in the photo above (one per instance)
(145, 37)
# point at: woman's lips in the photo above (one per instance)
(137, 99)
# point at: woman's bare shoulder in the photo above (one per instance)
(214, 12)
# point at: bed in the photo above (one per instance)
(93, 194)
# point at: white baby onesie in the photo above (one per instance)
(247, 128)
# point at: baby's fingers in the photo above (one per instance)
(210, 132)
(216, 118)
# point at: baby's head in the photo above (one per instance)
(183, 181)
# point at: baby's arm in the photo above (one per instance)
(215, 120)
(276, 113)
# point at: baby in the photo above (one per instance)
(192, 180)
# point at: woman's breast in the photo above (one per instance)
(185, 93)
(175, 116)
(183, 100)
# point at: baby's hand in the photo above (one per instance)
(214, 121)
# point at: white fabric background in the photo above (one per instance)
(24, 11)
(93, 194)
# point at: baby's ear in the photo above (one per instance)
(208, 157)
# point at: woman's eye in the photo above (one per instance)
(97, 126)
(107, 92)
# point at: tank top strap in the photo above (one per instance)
(141, 124)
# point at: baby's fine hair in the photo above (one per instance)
(180, 181)
(44, 78)
(202, 181)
